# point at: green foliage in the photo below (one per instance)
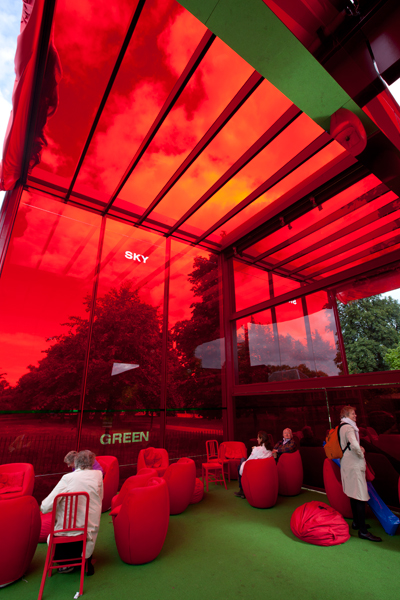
(392, 357)
(370, 328)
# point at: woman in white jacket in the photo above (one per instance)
(353, 469)
(263, 450)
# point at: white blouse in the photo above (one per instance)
(258, 452)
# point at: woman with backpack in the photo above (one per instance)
(353, 470)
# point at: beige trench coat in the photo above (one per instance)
(353, 466)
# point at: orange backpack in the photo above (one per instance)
(332, 447)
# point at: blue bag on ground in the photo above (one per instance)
(387, 519)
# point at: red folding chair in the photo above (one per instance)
(56, 537)
(214, 466)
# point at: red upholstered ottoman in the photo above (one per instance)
(141, 522)
(181, 481)
(45, 526)
(198, 493)
(260, 482)
(110, 468)
(153, 458)
(20, 528)
(290, 474)
(334, 490)
(16, 479)
(320, 524)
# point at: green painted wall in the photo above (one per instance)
(256, 34)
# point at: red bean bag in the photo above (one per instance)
(16, 480)
(320, 524)
(141, 522)
(153, 458)
(139, 480)
(260, 482)
(290, 474)
(198, 493)
(181, 481)
(20, 528)
(334, 490)
(234, 452)
(110, 468)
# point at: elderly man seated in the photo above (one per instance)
(287, 444)
(83, 479)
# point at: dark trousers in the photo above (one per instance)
(242, 460)
(68, 551)
(358, 510)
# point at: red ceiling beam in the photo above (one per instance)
(231, 109)
(178, 88)
(373, 217)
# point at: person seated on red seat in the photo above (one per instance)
(287, 444)
(70, 458)
(82, 479)
(262, 450)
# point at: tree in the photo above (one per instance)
(125, 329)
(370, 327)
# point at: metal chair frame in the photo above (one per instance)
(214, 465)
(56, 537)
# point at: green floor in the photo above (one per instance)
(223, 548)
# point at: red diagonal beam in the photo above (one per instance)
(393, 241)
(231, 109)
(280, 125)
(300, 158)
(374, 216)
(178, 88)
(364, 239)
(345, 210)
(125, 44)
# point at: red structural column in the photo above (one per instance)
(229, 370)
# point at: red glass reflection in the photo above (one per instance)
(165, 37)
(47, 275)
(218, 78)
(196, 352)
(251, 285)
(257, 114)
(291, 141)
(88, 36)
(125, 355)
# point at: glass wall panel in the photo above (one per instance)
(196, 349)
(45, 289)
(122, 434)
(370, 322)
(187, 433)
(294, 340)
(252, 285)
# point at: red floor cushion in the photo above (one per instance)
(260, 482)
(334, 490)
(320, 524)
(181, 481)
(290, 474)
(198, 493)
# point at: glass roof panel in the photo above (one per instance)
(218, 78)
(164, 40)
(300, 176)
(257, 114)
(285, 234)
(290, 142)
(337, 229)
(88, 36)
